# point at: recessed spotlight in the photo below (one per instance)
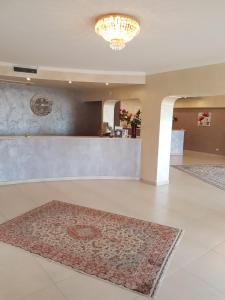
(106, 83)
(70, 81)
(28, 78)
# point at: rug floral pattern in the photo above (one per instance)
(212, 174)
(126, 251)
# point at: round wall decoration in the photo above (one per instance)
(40, 105)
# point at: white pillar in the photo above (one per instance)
(156, 140)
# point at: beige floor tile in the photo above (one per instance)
(210, 268)
(2, 219)
(172, 268)
(85, 287)
(13, 202)
(205, 233)
(192, 157)
(51, 293)
(184, 286)
(56, 271)
(220, 249)
(39, 192)
(187, 251)
(216, 219)
(20, 274)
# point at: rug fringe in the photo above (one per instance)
(166, 265)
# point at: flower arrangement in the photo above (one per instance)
(129, 118)
(125, 116)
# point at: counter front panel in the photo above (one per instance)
(43, 157)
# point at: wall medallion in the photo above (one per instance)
(40, 105)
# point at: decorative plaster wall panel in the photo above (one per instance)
(69, 116)
(26, 158)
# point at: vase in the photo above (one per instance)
(133, 131)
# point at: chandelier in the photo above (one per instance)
(118, 29)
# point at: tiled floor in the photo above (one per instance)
(197, 270)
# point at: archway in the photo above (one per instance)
(165, 128)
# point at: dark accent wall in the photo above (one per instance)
(117, 114)
(70, 115)
(204, 139)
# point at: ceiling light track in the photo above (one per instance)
(11, 81)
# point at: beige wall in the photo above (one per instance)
(158, 97)
(209, 139)
(214, 102)
(158, 110)
(131, 105)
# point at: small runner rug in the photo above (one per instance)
(125, 251)
(212, 174)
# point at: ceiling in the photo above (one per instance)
(175, 34)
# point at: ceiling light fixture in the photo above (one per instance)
(118, 29)
(28, 78)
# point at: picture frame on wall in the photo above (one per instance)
(204, 119)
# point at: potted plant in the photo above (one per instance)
(135, 123)
(125, 118)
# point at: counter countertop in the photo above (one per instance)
(62, 136)
(12, 137)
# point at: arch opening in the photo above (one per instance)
(196, 105)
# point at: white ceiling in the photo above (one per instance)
(174, 34)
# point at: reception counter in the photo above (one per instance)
(177, 142)
(56, 157)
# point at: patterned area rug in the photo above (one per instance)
(125, 251)
(212, 174)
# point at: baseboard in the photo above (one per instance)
(68, 179)
(202, 153)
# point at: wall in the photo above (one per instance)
(131, 105)
(158, 97)
(216, 101)
(69, 116)
(162, 90)
(203, 139)
(77, 75)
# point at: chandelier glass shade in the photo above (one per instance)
(118, 29)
